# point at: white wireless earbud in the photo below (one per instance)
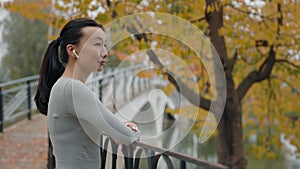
(75, 53)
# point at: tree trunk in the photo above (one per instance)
(230, 136)
(230, 129)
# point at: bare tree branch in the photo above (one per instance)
(248, 12)
(266, 68)
(198, 20)
(261, 42)
(154, 58)
(287, 62)
(257, 76)
(286, 44)
(133, 30)
(108, 3)
(279, 19)
(232, 61)
(189, 94)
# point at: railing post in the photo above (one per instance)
(28, 100)
(125, 83)
(114, 148)
(132, 87)
(140, 84)
(1, 111)
(145, 84)
(114, 92)
(150, 159)
(100, 89)
(150, 83)
(182, 164)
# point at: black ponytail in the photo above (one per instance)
(51, 70)
(53, 63)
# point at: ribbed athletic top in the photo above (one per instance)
(76, 119)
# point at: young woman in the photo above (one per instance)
(76, 118)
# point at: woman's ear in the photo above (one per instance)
(72, 51)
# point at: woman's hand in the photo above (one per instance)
(132, 126)
(135, 129)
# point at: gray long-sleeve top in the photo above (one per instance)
(76, 119)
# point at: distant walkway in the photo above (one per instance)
(25, 144)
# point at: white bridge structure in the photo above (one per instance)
(121, 90)
(131, 98)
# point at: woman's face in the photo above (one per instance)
(92, 51)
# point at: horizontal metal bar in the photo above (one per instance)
(15, 115)
(180, 156)
(13, 89)
(156, 153)
(36, 77)
(15, 102)
(12, 82)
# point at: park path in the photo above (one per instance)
(24, 145)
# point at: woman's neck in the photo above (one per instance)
(73, 73)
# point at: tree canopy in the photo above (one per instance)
(258, 44)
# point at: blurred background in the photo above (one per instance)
(257, 41)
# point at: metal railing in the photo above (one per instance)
(15, 94)
(153, 154)
(16, 97)
(119, 78)
(13, 98)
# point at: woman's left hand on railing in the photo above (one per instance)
(133, 126)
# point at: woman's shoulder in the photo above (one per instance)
(68, 82)
(70, 85)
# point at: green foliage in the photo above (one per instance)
(26, 41)
(3, 75)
